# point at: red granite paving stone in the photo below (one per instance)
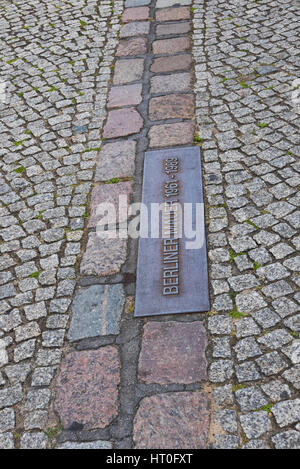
(136, 28)
(167, 135)
(103, 257)
(174, 28)
(127, 71)
(175, 82)
(173, 14)
(172, 63)
(127, 95)
(135, 14)
(121, 122)
(171, 106)
(116, 159)
(109, 193)
(135, 46)
(170, 46)
(173, 352)
(178, 420)
(87, 388)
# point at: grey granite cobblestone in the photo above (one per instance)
(57, 69)
(245, 72)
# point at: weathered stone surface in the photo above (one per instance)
(122, 122)
(103, 256)
(174, 28)
(287, 412)
(250, 398)
(170, 46)
(135, 28)
(135, 14)
(256, 424)
(171, 106)
(134, 46)
(36, 420)
(176, 420)
(7, 420)
(127, 95)
(174, 82)
(226, 442)
(96, 311)
(128, 70)
(87, 388)
(110, 193)
(136, 3)
(172, 3)
(173, 14)
(287, 440)
(6, 441)
(116, 160)
(3, 353)
(10, 396)
(173, 352)
(167, 135)
(171, 63)
(17, 373)
(36, 440)
(98, 444)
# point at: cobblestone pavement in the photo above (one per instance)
(90, 86)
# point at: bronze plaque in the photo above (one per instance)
(172, 273)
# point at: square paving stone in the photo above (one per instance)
(250, 398)
(116, 160)
(134, 46)
(256, 424)
(135, 28)
(176, 420)
(173, 14)
(172, 63)
(174, 82)
(103, 256)
(170, 46)
(173, 352)
(171, 106)
(127, 95)
(87, 388)
(181, 133)
(287, 440)
(128, 70)
(175, 28)
(135, 14)
(96, 311)
(287, 412)
(122, 122)
(110, 193)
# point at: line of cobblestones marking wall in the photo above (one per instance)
(135, 383)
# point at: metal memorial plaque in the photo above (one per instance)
(172, 273)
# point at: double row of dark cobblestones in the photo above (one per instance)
(146, 368)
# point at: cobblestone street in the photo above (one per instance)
(86, 88)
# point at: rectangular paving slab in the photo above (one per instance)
(171, 278)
